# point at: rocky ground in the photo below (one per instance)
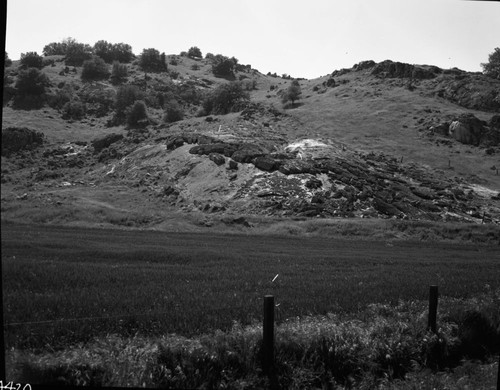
(266, 161)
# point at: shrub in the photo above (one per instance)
(152, 61)
(30, 87)
(226, 98)
(492, 67)
(95, 69)
(31, 60)
(126, 96)
(61, 97)
(98, 100)
(173, 111)
(103, 49)
(292, 94)
(119, 73)
(188, 92)
(74, 109)
(223, 66)
(57, 48)
(77, 53)
(137, 114)
(15, 139)
(8, 90)
(194, 52)
(7, 61)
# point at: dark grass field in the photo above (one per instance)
(93, 282)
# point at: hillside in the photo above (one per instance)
(369, 142)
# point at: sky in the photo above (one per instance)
(301, 38)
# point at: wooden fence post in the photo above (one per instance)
(433, 303)
(498, 375)
(268, 335)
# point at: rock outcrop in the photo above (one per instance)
(467, 129)
(101, 143)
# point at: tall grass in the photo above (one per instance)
(383, 346)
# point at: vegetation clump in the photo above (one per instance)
(383, 347)
(109, 52)
(137, 114)
(226, 98)
(492, 67)
(194, 52)
(173, 111)
(152, 61)
(223, 66)
(119, 73)
(31, 60)
(30, 88)
(95, 69)
(292, 94)
(126, 96)
(7, 61)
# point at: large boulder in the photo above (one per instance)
(246, 153)
(104, 142)
(217, 158)
(15, 139)
(467, 129)
(266, 163)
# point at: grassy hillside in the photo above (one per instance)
(373, 118)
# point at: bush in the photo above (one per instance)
(188, 92)
(61, 97)
(31, 60)
(98, 100)
(292, 94)
(492, 67)
(73, 110)
(226, 98)
(194, 52)
(113, 52)
(223, 66)
(30, 87)
(15, 139)
(137, 114)
(76, 53)
(95, 69)
(7, 61)
(152, 61)
(57, 48)
(126, 96)
(173, 111)
(119, 73)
